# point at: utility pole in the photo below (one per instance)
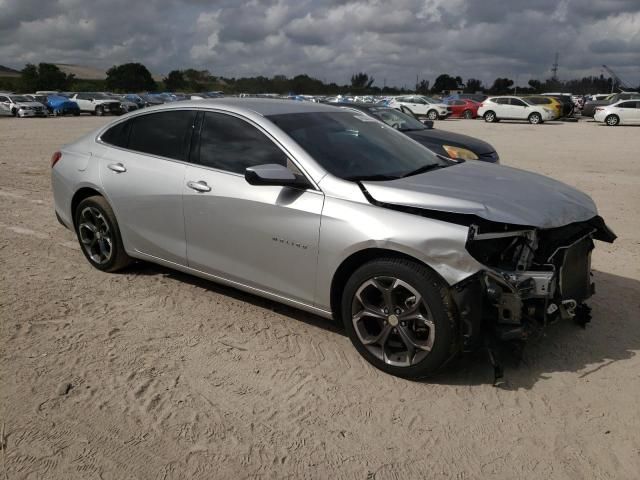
(554, 68)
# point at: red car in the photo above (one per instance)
(463, 108)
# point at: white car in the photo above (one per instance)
(494, 109)
(625, 112)
(97, 103)
(21, 106)
(421, 106)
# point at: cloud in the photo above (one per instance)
(331, 39)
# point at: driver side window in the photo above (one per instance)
(517, 102)
(230, 144)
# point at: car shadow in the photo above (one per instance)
(612, 335)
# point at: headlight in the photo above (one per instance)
(459, 153)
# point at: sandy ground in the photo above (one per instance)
(152, 374)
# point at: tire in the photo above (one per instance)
(432, 334)
(490, 116)
(612, 120)
(76, 114)
(14, 112)
(535, 118)
(432, 115)
(468, 114)
(99, 111)
(99, 235)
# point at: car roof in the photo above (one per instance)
(262, 106)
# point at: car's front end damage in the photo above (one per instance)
(529, 239)
(532, 277)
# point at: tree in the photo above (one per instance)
(29, 77)
(423, 87)
(445, 82)
(473, 86)
(536, 85)
(130, 77)
(361, 81)
(501, 86)
(174, 81)
(46, 76)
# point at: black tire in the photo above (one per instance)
(14, 112)
(468, 114)
(118, 258)
(99, 111)
(490, 116)
(432, 115)
(434, 297)
(535, 118)
(76, 114)
(612, 120)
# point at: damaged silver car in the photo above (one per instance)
(420, 257)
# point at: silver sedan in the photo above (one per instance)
(331, 211)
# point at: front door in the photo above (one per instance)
(265, 237)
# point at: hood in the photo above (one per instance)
(441, 137)
(492, 192)
(29, 104)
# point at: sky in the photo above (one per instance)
(392, 40)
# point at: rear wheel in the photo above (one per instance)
(399, 317)
(535, 118)
(612, 120)
(490, 117)
(432, 115)
(468, 114)
(99, 235)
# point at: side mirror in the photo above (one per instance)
(273, 174)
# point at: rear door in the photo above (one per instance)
(628, 112)
(5, 105)
(265, 237)
(142, 168)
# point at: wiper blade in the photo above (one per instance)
(423, 169)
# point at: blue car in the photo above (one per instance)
(59, 105)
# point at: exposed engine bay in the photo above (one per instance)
(533, 277)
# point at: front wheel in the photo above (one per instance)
(468, 114)
(490, 117)
(612, 120)
(99, 235)
(432, 115)
(399, 317)
(535, 118)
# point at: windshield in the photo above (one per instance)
(20, 98)
(355, 146)
(397, 119)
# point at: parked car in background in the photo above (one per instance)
(420, 257)
(97, 103)
(494, 109)
(421, 106)
(589, 108)
(463, 108)
(565, 99)
(624, 112)
(57, 105)
(151, 99)
(448, 144)
(476, 97)
(21, 106)
(548, 102)
(137, 99)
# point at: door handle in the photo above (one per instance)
(199, 186)
(117, 167)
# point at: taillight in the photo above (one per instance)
(55, 158)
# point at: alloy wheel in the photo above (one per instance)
(612, 120)
(95, 235)
(432, 115)
(392, 321)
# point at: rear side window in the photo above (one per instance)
(231, 144)
(166, 134)
(501, 101)
(627, 105)
(118, 135)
